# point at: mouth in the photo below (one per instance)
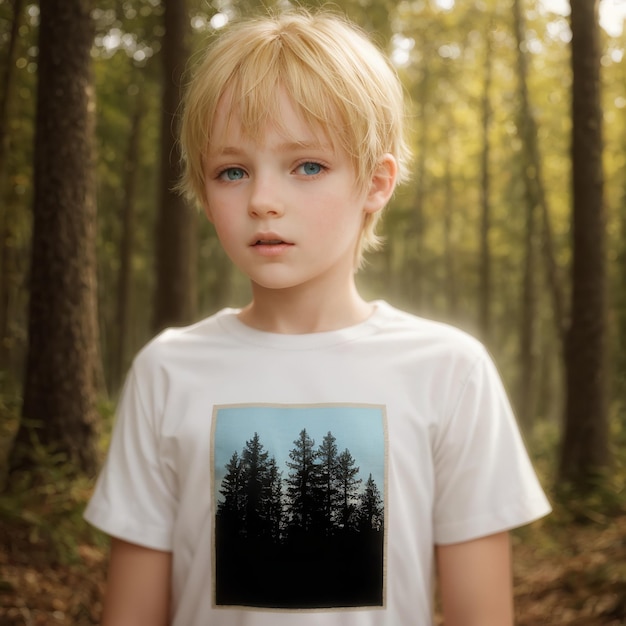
(268, 242)
(270, 245)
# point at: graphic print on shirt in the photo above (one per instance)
(299, 495)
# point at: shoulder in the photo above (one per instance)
(438, 340)
(183, 344)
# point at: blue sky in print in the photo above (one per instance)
(360, 429)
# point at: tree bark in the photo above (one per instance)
(59, 409)
(9, 79)
(585, 443)
(7, 226)
(127, 244)
(620, 307)
(526, 389)
(175, 291)
(619, 291)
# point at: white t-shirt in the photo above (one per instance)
(302, 480)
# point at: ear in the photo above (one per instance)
(382, 184)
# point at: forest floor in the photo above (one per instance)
(564, 576)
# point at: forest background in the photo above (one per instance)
(513, 227)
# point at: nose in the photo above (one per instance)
(265, 199)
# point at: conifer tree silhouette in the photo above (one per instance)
(232, 507)
(273, 500)
(255, 475)
(348, 487)
(302, 481)
(328, 480)
(371, 510)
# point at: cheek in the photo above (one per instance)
(219, 210)
(223, 221)
(341, 216)
(225, 229)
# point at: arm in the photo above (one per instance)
(138, 587)
(475, 582)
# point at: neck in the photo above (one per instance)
(300, 310)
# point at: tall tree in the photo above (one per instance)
(7, 226)
(484, 290)
(127, 244)
(414, 233)
(59, 391)
(175, 291)
(538, 230)
(8, 79)
(450, 287)
(585, 444)
(620, 306)
(619, 278)
(530, 171)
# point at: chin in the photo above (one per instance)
(278, 282)
(276, 285)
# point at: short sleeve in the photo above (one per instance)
(133, 499)
(485, 482)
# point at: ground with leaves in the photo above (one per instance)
(572, 575)
(564, 576)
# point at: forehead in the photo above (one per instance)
(279, 118)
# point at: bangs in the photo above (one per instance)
(253, 95)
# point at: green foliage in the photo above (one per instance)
(43, 507)
(10, 403)
(605, 497)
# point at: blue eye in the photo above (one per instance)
(232, 173)
(310, 168)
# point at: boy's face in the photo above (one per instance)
(286, 208)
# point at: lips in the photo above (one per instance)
(269, 239)
(270, 245)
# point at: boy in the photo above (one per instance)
(312, 458)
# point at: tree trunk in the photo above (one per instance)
(59, 389)
(484, 290)
(9, 79)
(448, 230)
(7, 226)
(415, 232)
(585, 444)
(175, 292)
(619, 307)
(127, 220)
(526, 390)
(619, 291)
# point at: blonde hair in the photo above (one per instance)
(337, 79)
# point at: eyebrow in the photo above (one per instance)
(304, 145)
(288, 146)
